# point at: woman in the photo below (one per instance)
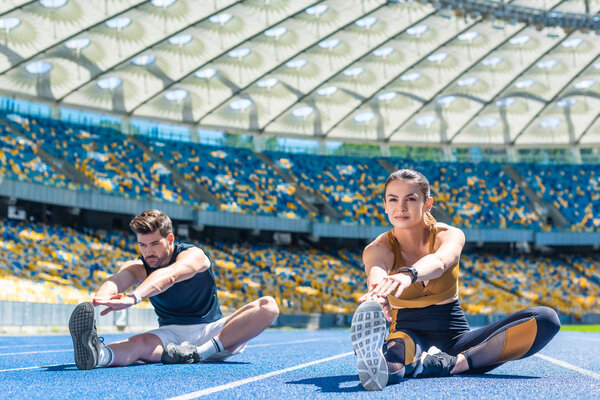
(412, 273)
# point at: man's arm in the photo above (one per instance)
(130, 272)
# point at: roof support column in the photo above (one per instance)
(126, 125)
(385, 149)
(576, 154)
(447, 152)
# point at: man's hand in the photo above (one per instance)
(116, 302)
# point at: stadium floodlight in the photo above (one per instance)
(426, 120)
(205, 73)
(240, 104)
(506, 102)
(303, 112)
(118, 23)
(145, 59)
(410, 77)
(366, 22)
(468, 36)
(9, 23)
(267, 83)
(327, 91)
(77, 44)
(220, 19)
(417, 30)
(565, 103)
(163, 3)
(317, 10)
(296, 64)
(53, 3)
(176, 94)
(180, 40)
(387, 96)
(383, 51)
(109, 83)
(276, 32)
(354, 71)
(525, 83)
(467, 82)
(329, 44)
(487, 122)
(364, 117)
(239, 53)
(550, 123)
(584, 84)
(38, 67)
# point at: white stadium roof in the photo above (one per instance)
(358, 71)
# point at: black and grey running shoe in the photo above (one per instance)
(184, 353)
(82, 326)
(436, 363)
(368, 334)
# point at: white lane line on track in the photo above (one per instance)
(30, 345)
(569, 366)
(40, 366)
(35, 352)
(52, 351)
(241, 382)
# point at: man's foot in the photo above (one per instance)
(82, 326)
(435, 363)
(185, 353)
(368, 334)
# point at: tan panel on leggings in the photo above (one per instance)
(409, 346)
(519, 339)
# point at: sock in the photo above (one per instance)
(106, 356)
(209, 348)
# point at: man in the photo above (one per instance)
(178, 280)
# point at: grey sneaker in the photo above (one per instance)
(184, 353)
(368, 334)
(435, 363)
(82, 326)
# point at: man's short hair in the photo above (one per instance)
(151, 220)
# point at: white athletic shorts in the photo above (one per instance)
(197, 335)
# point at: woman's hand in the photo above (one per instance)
(391, 285)
(383, 301)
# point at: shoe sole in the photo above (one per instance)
(368, 334)
(81, 327)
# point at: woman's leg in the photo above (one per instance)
(517, 336)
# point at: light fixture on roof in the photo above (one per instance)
(118, 23)
(387, 96)
(520, 40)
(467, 82)
(9, 23)
(276, 32)
(572, 43)
(597, 65)
(329, 44)
(547, 64)
(506, 102)
(584, 84)
(176, 94)
(426, 120)
(383, 51)
(487, 122)
(267, 83)
(220, 19)
(446, 100)
(303, 112)
(145, 59)
(366, 22)
(317, 10)
(492, 62)
(77, 44)
(354, 71)
(205, 73)
(296, 64)
(163, 3)
(550, 123)
(417, 30)
(53, 3)
(240, 104)
(109, 83)
(364, 117)
(437, 58)
(239, 53)
(180, 40)
(525, 83)
(38, 67)
(468, 36)
(410, 77)
(327, 91)
(565, 103)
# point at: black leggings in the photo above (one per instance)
(516, 336)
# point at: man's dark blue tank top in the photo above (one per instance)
(193, 301)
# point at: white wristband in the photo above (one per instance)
(136, 296)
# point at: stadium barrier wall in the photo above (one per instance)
(114, 204)
(19, 316)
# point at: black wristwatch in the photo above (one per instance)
(412, 270)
